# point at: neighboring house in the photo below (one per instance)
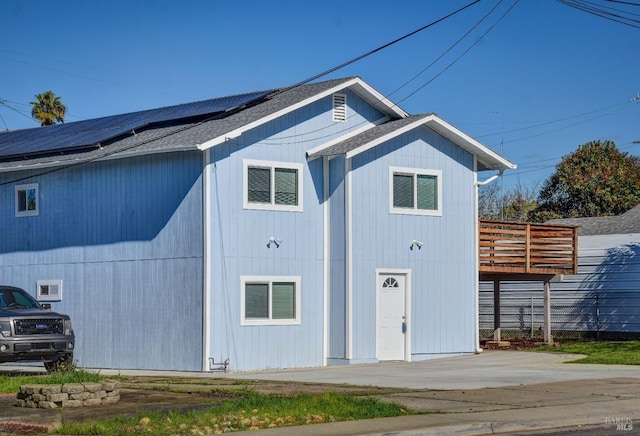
(297, 227)
(603, 299)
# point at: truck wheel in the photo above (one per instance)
(60, 364)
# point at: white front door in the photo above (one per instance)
(391, 322)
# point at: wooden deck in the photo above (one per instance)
(527, 248)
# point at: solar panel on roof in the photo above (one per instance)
(81, 134)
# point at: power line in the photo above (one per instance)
(602, 13)
(136, 145)
(389, 44)
(546, 123)
(462, 54)
(451, 47)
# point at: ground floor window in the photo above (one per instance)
(270, 300)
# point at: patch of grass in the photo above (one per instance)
(249, 410)
(601, 352)
(10, 383)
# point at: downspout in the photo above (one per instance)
(349, 262)
(477, 185)
(206, 260)
(326, 260)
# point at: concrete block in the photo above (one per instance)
(111, 400)
(47, 405)
(109, 385)
(99, 395)
(30, 389)
(80, 396)
(58, 397)
(73, 388)
(92, 387)
(51, 389)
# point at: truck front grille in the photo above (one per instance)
(39, 326)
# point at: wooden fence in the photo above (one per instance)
(527, 248)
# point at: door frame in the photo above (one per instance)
(407, 306)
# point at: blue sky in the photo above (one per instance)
(544, 80)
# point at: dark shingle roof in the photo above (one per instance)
(165, 134)
(367, 136)
(628, 222)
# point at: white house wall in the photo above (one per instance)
(443, 273)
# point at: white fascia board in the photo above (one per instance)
(372, 97)
(484, 154)
(377, 100)
(313, 153)
(458, 137)
(386, 137)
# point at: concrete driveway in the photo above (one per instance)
(484, 370)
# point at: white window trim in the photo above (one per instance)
(48, 297)
(246, 163)
(29, 186)
(269, 280)
(415, 210)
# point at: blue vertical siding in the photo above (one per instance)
(443, 271)
(337, 286)
(125, 237)
(239, 238)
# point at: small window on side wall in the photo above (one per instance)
(272, 186)
(27, 200)
(415, 191)
(270, 300)
(49, 290)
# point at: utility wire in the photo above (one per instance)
(136, 145)
(623, 2)
(382, 47)
(462, 54)
(582, 6)
(444, 53)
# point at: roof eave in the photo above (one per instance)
(358, 86)
(487, 158)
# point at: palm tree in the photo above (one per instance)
(48, 109)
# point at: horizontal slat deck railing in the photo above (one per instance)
(508, 247)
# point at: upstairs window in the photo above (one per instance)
(339, 108)
(27, 201)
(270, 300)
(415, 191)
(272, 186)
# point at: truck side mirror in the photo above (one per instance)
(46, 306)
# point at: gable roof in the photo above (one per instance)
(628, 222)
(486, 158)
(202, 129)
(205, 124)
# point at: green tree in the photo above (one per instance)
(48, 109)
(595, 180)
